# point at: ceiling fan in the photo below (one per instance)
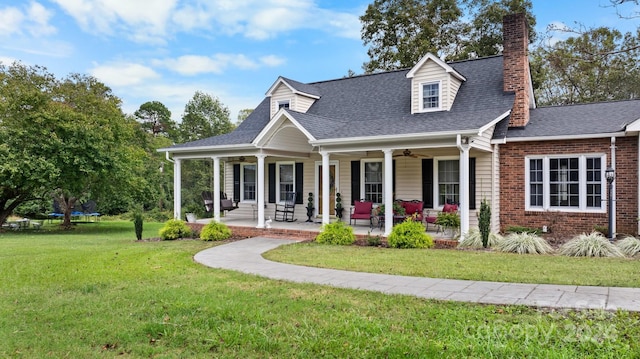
(408, 153)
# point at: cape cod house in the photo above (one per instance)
(439, 132)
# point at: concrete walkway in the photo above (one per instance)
(245, 256)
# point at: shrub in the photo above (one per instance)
(473, 239)
(373, 241)
(448, 220)
(215, 231)
(524, 243)
(590, 245)
(336, 233)
(522, 229)
(630, 246)
(409, 234)
(138, 221)
(484, 222)
(174, 229)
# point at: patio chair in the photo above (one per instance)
(226, 204)
(207, 198)
(285, 211)
(361, 210)
(431, 218)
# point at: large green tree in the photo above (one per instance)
(399, 32)
(64, 138)
(155, 118)
(601, 64)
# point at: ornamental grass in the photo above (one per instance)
(524, 243)
(593, 244)
(473, 239)
(630, 246)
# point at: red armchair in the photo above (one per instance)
(361, 210)
(413, 209)
(431, 218)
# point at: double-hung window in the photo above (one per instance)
(569, 183)
(448, 182)
(285, 179)
(372, 181)
(249, 174)
(430, 96)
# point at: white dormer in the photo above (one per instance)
(434, 85)
(291, 94)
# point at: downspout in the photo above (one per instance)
(613, 185)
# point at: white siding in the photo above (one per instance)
(302, 103)
(281, 93)
(432, 72)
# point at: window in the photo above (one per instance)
(283, 104)
(286, 179)
(373, 174)
(431, 96)
(448, 182)
(565, 183)
(248, 182)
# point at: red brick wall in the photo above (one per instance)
(516, 66)
(512, 186)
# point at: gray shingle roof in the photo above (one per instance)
(380, 104)
(576, 120)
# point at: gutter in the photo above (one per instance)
(394, 138)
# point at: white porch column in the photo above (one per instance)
(260, 189)
(463, 145)
(216, 189)
(325, 187)
(388, 192)
(177, 184)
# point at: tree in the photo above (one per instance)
(64, 138)
(155, 118)
(204, 116)
(400, 32)
(243, 114)
(598, 65)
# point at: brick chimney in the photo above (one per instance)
(515, 59)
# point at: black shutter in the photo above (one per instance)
(272, 183)
(236, 181)
(355, 181)
(472, 183)
(427, 182)
(299, 183)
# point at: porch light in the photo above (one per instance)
(610, 175)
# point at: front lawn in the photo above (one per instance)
(465, 264)
(95, 292)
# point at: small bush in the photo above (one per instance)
(522, 229)
(524, 243)
(409, 234)
(174, 229)
(473, 239)
(590, 245)
(373, 241)
(215, 231)
(336, 233)
(630, 246)
(138, 221)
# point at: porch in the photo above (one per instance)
(243, 226)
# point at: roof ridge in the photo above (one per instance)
(589, 103)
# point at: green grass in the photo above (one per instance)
(470, 265)
(94, 292)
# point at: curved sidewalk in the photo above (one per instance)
(246, 256)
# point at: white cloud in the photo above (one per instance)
(191, 65)
(123, 74)
(7, 60)
(33, 19)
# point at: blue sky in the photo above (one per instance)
(165, 50)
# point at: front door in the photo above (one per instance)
(333, 176)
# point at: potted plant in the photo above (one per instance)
(339, 208)
(448, 221)
(310, 207)
(190, 212)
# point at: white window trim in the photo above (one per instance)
(421, 98)
(582, 179)
(362, 175)
(436, 180)
(282, 102)
(293, 164)
(242, 165)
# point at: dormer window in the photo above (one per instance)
(431, 98)
(283, 104)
